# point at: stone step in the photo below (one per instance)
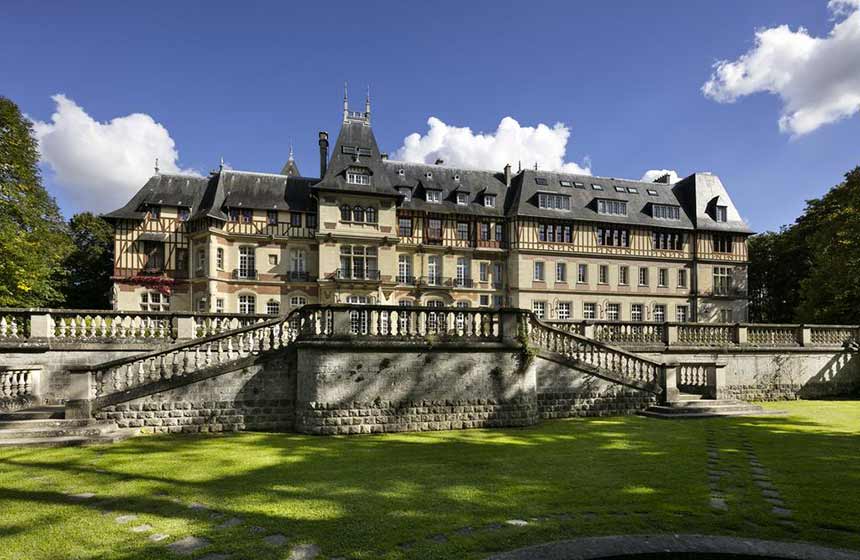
(679, 411)
(706, 403)
(35, 413)
(56, 423)
(689, 397)
(726, 408)
(71, 431)
(112, 436)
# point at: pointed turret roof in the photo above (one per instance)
(290, 168)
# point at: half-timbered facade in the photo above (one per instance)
(374, 230)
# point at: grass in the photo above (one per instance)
(363, 497)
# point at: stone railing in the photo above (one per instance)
(642, 334)
(19, 381)
(607, 361)
(104, 326)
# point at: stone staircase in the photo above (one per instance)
(695, 406)
(46, 426)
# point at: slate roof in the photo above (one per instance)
(243, 189)
(166, 190)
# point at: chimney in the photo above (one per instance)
(440, 161)
(665, 179)
(323, 152)
(508, 175)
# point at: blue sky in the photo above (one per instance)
(244, 79)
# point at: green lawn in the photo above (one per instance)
(365, 496)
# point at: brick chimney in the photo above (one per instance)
(508, 175)
(323, 152)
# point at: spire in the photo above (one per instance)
(345, 102)
(367, 105)
(221, 166)
(291, 158)
(156, 166)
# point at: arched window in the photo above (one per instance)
(358, 214)
(273, 307)
(345, 213)
(370, 215)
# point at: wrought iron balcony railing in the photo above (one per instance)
(359, 275)
(244, 274)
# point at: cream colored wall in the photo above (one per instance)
(552, 298)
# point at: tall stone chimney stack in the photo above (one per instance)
(323, 152)
(508, 175)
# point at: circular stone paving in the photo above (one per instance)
(675, 546)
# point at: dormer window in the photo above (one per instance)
(154, 211)
(578, 185)
(721, 213)
(612, 207)
(429, 175)
(457, 178)
(666, 212)
(401, 172)
(462, 199)
(357, 176)
(406, 192)
(596, 187)
(632, 190)
(434, 196)
(541, 181)
(490, 200)
(564, 183)
(652, 192)
(183, 214)
(552, 201)
(619, 189)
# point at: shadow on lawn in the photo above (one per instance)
(365, 495)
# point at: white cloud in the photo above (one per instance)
(99, 166)
(817, 78)
(510, 143)
(652, 174)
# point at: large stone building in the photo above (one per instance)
(374, 230)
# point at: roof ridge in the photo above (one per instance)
(264, 174)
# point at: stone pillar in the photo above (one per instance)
(342, 326)
(184, 327)
(671, 334)
(588, 331)
(805, 337)
(717, 379)
(741, 334)
(80, 384)
(509, 323)
(40, 325)
(79, 409)
(669, 382)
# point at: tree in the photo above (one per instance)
(33, 238)
(90, 264)
(778, 264)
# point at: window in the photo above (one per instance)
(311, 221)
(356, 176)
(578, 185)
(154, 211)
(484, 300)
(404, 269)
(406, 192)
(219, 305)
(433, 196)
(564, 183)
(247, 215)
(429, 175)
(404, 225)
(636, 312)
(727, 316)
(272, 217)
(233, 214)
(295, 219)
(550, 201)
(659, 313)
(619, 189)
(663, 277)
(298, 301)
(370, 215)
(462, 199)
(643, 276)
(667, 240)
(582, 274)
(434, 270)
(357, 214)
(596, 187)
(541, 181)
(611, 207)
(153, 256)
(623, 275)
(201, 305)
(588, 310)
(603, 274)
(561, 272)
(498, 278)
(722, 243)
(613, 311)
(682, 278)
(539, 272)
(721, 214)
(652, 192)
(247, 263)
(681, 313)
(273, 260)
(562, 311)
(181, 259)
(297, 260)
(498, 301)
(722, 280)
(666, 212)
(484, 272)
(490, 200)
(358, 262)
(539, 309)
(183, 214)
(612, 236)
(345, 213)
(154, 301)
(219, 258)
(273, 307)
(463, 274)
(485, 231)
(500, 232)
(463, 231)
(632, 190)
(247, 305)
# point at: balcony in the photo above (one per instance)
(244, 274)
(406, 279)
(432, 281)
(299, 276)
(463, 283)
(356, 275)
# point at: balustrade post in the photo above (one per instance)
(717, 379)
(588, 330)
(741, 334)
(510, 322)
(341, 323)
(184, 327)
(671, 334)
(80, 391)
(40, 325)
(805, 338)
(669, 381)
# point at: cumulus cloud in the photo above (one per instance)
(817, 78)
(652, 174)
(98, 166)
(510, 143)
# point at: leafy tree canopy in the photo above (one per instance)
(90, 264)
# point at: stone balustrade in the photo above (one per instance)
(19, 385)
(706, 335)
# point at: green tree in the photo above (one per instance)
(33, 238)
(778, 264)
(90, 264)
